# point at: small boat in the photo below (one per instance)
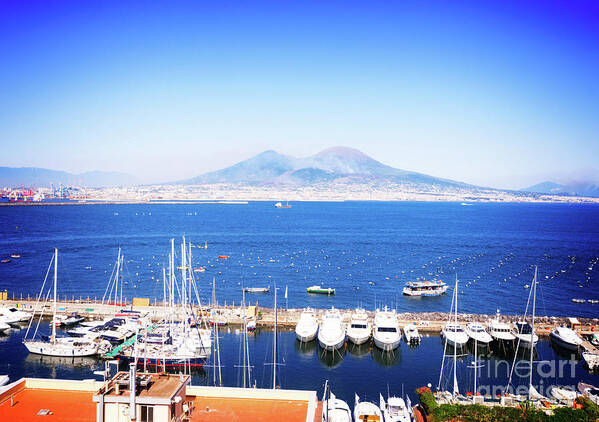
(477, 332)
(412, 334)
(359, 328)
(200, 270)
(72, 319)
(394, 409)
(589, 391)
(331, 333)
(524, 333)
(579, 300)
(280, 205)
(256, 289)
(307, 326)
(320, 290)
(565, 338)
(500, 331)
(4, 260)
(15, 255)
(454, 334)
(15, 313)
(223, 257)
(564, 394)
(425, 288)
(366, 411)
(386, 332)
(251, 325)
(591, 359)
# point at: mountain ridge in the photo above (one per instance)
(38, 176)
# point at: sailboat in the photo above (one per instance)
(280, 205)
(334, 409)
(454, 310)
(58, 346)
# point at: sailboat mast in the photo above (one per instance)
(274, 348)
(55, 282)
(183, 275)
(455, 357)
(532, 333)
(116, 280)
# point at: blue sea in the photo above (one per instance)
(367, 251)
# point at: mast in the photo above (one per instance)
(183, 275)
(274, 348)
(532, 333)
(455, 328)
(118, 270)
(55, 282)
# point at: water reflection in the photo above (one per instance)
(305, 349)
(389, 358)
(331, 359)
(359, 351)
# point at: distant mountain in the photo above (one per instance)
(338, 164)
(39, 177)
(573, 189)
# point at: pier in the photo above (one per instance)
(427, 322)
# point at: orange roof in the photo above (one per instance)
(215, 409)
(76, 406)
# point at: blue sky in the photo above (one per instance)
(502, 94)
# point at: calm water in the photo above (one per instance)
(491, 247)
(364, 370)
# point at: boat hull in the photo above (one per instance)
(305, 337)
(386, 345)
(358, 338)
(43, 348)
(558, 341)
(328, 345)
(169, 362)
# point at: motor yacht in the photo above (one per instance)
(331, 333)
(524, 334)
(477, 333)
(20, 316)
(500, 331)
(565, 338)
(591, 359)
(3, 326)
(366, 411)
(395, 409)
(307, 326)
(454, 334)
(589, 391)
(10, 319)
(359, 328)
(62, 346)
(386, 331)
(412, 334)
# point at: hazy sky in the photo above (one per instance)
(502, 94)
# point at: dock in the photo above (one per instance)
(427, 322)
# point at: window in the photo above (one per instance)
(173, 410)
(147, 413)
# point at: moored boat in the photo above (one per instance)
(477, 333)
(394, 409)
(565, 338)
(524, 334)
(256, 289)
(307, 326)
(359, 328)
(386, 332)
(454, 334)
(366, 411)
(412, 334)
(321, 290)
(500, 331)
(331, 332)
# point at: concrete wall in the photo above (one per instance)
(251, 393)
(59, 384)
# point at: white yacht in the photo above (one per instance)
(386, 331)
(359, 328)
(412, 334)
(307, 326)
(16, 314)
(477, 332)
(454, 334)
(366, 411)
(524, 334)
(566, 338)
(591, 359)
(395, 409)
(331, 333)
(3, 326)
(334, 409)
(500, 331)
(9, 319)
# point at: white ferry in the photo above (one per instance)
(425, 288)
